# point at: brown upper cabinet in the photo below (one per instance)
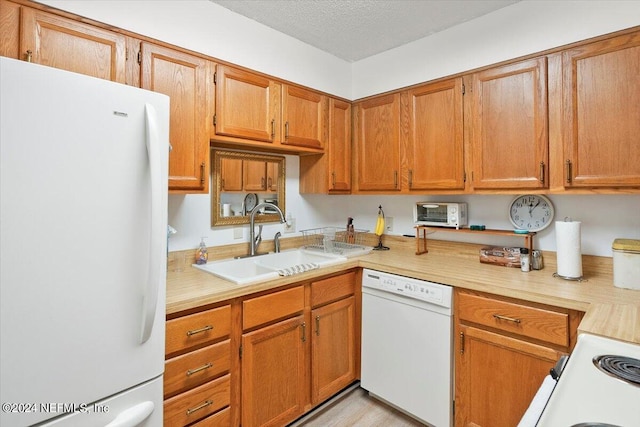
(601, 113)
(304, 117)
(377, 143)
(330, 173)
(413, 140)
(48, 39)
(435, 149)
(253, 110)
(247, 105)
(183, 77)
(509, 126)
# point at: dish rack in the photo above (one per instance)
(334, 240)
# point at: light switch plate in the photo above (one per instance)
(388, 224)
(238, 232)
(290, 225)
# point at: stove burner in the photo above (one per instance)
(594, 425)
(625, 368)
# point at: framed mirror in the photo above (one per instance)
(242, 180)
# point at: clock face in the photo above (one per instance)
(531, 212)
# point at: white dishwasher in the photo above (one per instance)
(407, 345)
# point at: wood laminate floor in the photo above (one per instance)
(355, 408)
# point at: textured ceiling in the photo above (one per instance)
(355, 29)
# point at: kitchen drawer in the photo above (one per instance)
(332, 289)
(529, 321)
(197, 403)
(197, 367)
(197, 329)
(267, 308)
(219, 419)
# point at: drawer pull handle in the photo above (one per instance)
(304, 331)
(197, 408)
(201, 368)
(508, 319)
(198, 331)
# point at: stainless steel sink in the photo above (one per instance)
(243, 271)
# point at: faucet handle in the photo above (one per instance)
(276, 241)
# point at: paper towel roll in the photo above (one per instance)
(568, 247)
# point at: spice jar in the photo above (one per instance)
(536, 260)
(524, 259)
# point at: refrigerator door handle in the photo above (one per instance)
(156, 250)
(133, 416)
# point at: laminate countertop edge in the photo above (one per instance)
(609, 311)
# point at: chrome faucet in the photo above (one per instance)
(254, 240)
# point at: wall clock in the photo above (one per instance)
(531, 212)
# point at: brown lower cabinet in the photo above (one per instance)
(263, 360)
(503, 350)
(197, 378)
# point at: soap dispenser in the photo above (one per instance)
(201, 254)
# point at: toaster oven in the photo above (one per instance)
(440, 214)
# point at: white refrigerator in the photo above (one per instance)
(83, 217)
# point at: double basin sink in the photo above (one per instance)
(270, 266)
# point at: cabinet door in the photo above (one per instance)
(231, 174)
(273, 373)
(435, 154)
(303, 113)
(255, 175)
(601, 87)
(70, 45)
(339, 147)
(333, 352)
(246, 105)
(183, 78)
(509, 135)
(10, 29)
(497, 377)
(377, 143)
(331, 172)
(272, 176)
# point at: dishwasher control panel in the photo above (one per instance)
(434, 293)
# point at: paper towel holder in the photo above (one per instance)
(574, 279)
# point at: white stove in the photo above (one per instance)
(587, 396)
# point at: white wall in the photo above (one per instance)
(519, 29)
(205, 27)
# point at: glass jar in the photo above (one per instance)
(525, 265)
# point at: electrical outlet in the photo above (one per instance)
(238, 232)
(388, 224)
(290, 225)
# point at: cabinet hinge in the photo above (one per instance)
(139, 57)
(464, 176)
(215, 120)
(215, 77)
(463, 88)
(126, 54)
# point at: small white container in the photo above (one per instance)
(626, 263)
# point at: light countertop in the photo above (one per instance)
(610, 311)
